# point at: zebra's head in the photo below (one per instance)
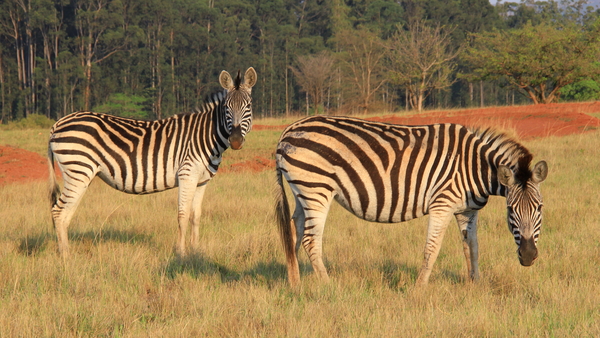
(524, 206)
(238, 105)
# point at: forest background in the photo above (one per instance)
(155, 58)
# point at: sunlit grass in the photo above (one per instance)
(123, 279)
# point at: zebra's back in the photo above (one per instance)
(380, 172)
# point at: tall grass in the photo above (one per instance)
(123, 280)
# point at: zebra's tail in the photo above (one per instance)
(54, 189)
(286, 231)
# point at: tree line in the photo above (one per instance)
(155, 58)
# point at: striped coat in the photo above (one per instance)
(140, 157)
(390, 173)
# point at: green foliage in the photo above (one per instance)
(60, 56)
(520, 14)
(585, 90)
(134, 107)
(538, 60)
(380, 15)
(33, 121)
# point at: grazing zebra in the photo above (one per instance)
(141, 157)
(391, 173)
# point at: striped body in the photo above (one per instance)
(141, 157)
(390, 173)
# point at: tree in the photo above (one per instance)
(99, 35)
(538, 60)
(382, 15)
(517, 15)
(15, 22)
(313, 73)
(422, 60)
(361, 59)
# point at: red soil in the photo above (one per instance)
(258, 163)
(18, 165)
(527, 122)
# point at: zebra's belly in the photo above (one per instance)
(134, 182)
(392, 212)
(141, 186)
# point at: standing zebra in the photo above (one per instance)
(391, 173)
(141, 157)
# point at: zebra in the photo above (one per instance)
(393, 173)
(142, 157)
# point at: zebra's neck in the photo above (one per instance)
(502, 150)
(214, 110)
(206, 132)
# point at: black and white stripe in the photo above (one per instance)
(140, 157)
(391, 173)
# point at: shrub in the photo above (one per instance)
(134, 107)
(33, 121)
(585, 90)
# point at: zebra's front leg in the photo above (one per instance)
(187, 189)
(467, 224)
(438, 222)
(195, 216)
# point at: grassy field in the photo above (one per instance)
(123, 279)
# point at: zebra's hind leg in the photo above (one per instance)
(75, 185)
(195, 216)
(297, 230)
(311, 238)
(438, 222)
(467, 224)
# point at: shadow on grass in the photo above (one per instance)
(111, 235)
(454, 277)
(398, 276)
(33, 245)
(197, 265)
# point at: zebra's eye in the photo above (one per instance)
(509, 209)
(539, 208)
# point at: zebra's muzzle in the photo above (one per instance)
(236, 139)
(528, 252)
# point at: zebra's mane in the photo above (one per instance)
(238, 80)
(512, 153)
(210, 102)
(216, 98)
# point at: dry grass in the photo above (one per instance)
(35, 140)
(123, 279)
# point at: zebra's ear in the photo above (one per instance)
(250, 77)
(540, 172)
(506, 176)
(225, 80)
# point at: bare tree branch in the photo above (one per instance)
(313, 74)
(421, 60)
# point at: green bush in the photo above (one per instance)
(134, 107)
(585, 90)
(33, 121)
